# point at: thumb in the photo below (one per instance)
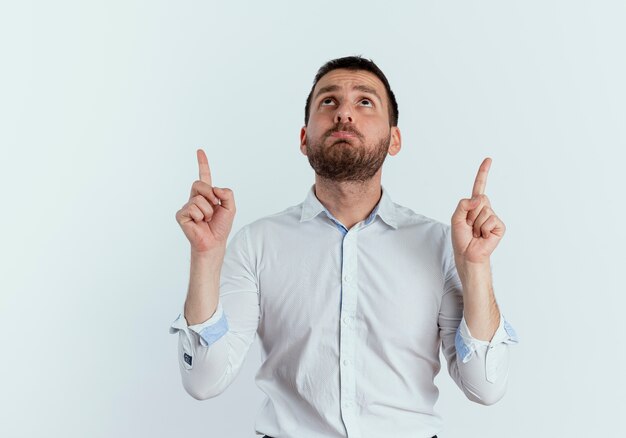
(226, 197)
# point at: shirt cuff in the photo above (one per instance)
(208, 331)
(466, 344)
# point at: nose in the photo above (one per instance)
(343, 114)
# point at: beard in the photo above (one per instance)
(347, 159)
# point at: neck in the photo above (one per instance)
(349, 202)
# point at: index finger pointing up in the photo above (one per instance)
(481, 178)
(203, 165)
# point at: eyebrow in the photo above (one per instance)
(363, 88)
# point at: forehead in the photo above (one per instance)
(350, 78)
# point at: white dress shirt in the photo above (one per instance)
(350, 324)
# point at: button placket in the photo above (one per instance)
(347, 337)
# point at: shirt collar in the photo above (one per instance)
(385, 208)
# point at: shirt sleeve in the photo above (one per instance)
(468, 347)
(210, 354)
(208, 332)
(480, 368)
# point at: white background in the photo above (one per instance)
(103, 105)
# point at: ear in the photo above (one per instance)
(396, 141)
(303, 140)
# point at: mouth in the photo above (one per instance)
(343, 134)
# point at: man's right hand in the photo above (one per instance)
(207, 218)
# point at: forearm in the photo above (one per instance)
(480, 309)
(204, 284)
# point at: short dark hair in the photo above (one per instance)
(355, 63)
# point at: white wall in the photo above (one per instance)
(102, 105)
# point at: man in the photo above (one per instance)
(351, 294)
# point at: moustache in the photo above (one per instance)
(345, 128)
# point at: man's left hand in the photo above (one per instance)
(476, 230)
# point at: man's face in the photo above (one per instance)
(348, 135)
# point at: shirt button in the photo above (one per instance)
(347, 278)
(346, 362)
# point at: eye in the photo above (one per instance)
(327, 101)
(367, 102)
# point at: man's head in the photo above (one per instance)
(355, 63)
(351, 118)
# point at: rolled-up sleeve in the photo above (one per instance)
(468, 347)
(210, 354)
